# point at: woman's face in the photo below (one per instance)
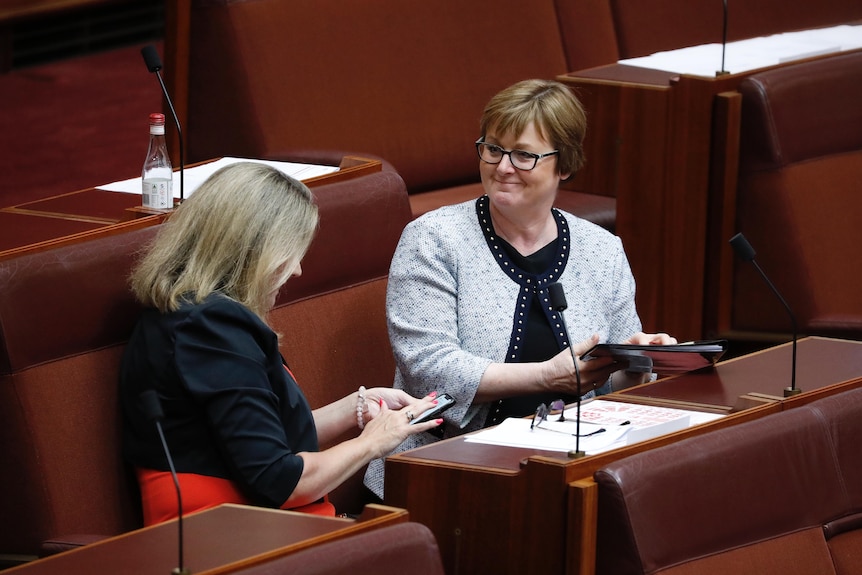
(509, 187)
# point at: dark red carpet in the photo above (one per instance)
(74, 124)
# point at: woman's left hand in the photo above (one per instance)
(641, 338)
(624, 379)
(393, 398)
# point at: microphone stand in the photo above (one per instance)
(153, 410)
(559, 304)
(746, 253)
(154, 64)
(180, 569)
(723, 72)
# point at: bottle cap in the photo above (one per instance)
(157, 119)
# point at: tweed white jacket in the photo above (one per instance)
(454, 304)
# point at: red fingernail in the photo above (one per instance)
(381, 402)
(432, 394)
(439, 421)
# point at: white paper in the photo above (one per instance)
(624, 424)
(194, 177)
(516, 432)
(753, 53)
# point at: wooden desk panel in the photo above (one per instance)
(650, 138)
(497, 509)
(506, 509)
(218, 540)
(25, 229)
(94, 205)
(624, 148)
(61, 234)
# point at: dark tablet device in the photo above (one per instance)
(677, 358)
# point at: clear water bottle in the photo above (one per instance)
(157, 174)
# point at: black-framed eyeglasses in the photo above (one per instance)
(520, 159)
(542, 413)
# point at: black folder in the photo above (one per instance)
(677, 358)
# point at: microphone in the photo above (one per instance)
(746, 253)
(722, 72)
(154, 65)
(558, 303)
(152, 408)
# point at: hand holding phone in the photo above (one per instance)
(444, 402)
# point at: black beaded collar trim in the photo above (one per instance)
(530, 283)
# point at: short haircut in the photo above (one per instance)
(558, 115)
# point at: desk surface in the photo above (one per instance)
(492, 492)
(87, 214)
(21, 229)
(820, 363)
(217, 540)
(623, 73)
(92, 204)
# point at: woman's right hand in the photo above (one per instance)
(561, 375)
(390, 427)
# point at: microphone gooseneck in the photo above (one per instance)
(722, 72)
(746, 253)
(557, 296)
(154, 65)
(152, 408)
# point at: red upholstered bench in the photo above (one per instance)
(782, 494)
(800, 175)
(406, 81)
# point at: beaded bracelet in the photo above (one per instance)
(360, 407)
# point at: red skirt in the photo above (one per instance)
(159, 495)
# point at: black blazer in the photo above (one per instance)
(232, 409)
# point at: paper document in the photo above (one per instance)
(753, 53)
(623, 424)
(194, 177)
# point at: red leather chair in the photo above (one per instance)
(781, 494)
(798, 203)
(394, 550)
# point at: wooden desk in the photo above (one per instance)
(93, 213)
(666, 145)
(218, 540)
(824, 366)
(505, 509)
(649, 142)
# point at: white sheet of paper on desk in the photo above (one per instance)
(194, 177)
(753, 53)
(516, 432)
(645, 422)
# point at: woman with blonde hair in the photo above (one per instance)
(239, 427)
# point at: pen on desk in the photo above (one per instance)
(626, 422)
(596, 432)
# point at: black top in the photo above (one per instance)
(232, 409)
(540, 342)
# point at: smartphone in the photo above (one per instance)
(444, 402)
